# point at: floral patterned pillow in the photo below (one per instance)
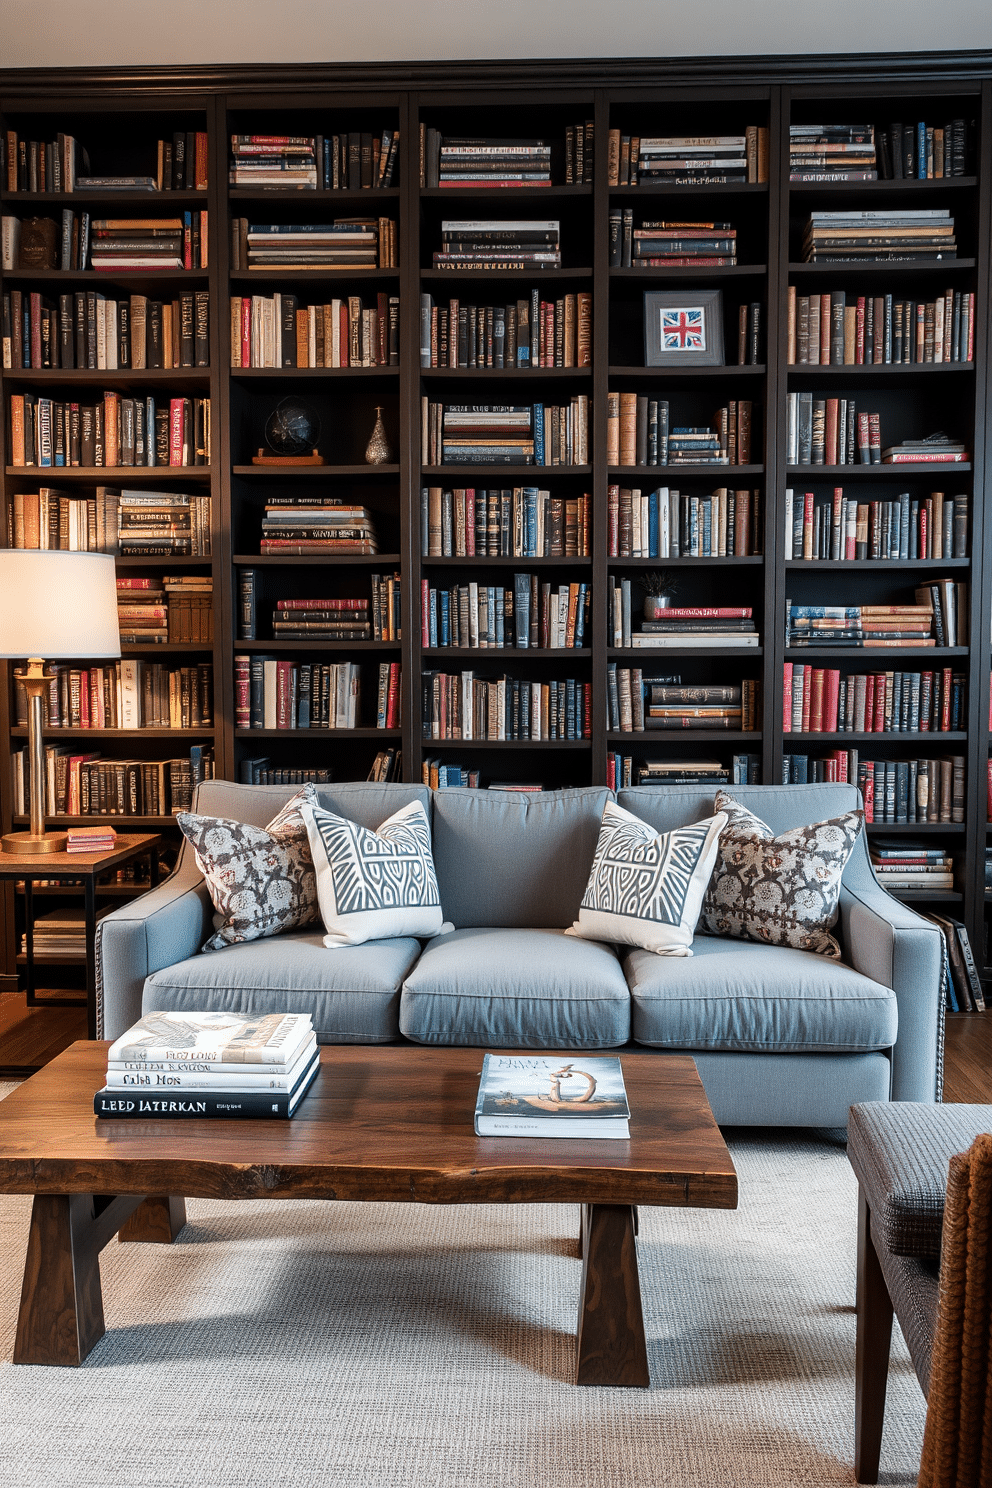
(779, 890)
(261, 879)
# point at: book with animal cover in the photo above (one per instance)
(552, 1095)
(158, 1075)
(222, 1038)
(172, 1104)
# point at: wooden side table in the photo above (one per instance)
(88, 867)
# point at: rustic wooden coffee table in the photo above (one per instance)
(391, 1123)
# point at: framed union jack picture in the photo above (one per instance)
(683, 328)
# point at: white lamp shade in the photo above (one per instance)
(56, 604)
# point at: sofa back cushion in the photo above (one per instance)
(513, 859)
(365, 802)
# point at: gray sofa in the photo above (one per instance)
(780, 1037)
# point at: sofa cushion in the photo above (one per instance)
(738, 995)
(516, 989)
(646, 887)
(353, 995)
(505, 858)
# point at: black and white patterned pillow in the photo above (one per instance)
(374, 885)
(779, 890)
(261, 879)
(646, 886)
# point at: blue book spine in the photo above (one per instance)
(442, 624)
(580, 614)
(432, 618)
(921, 151)
(904, 525)
(706, 549)
(826, 612)
(500, 611)
(538, 433)
(303, 695)
(653, 525)
(530, 522)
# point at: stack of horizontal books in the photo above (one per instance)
(832, 152)
(274, 160)
(859, 625)
(193, 1064)
(137, 243)
(698, 625)
(682, 772)
(672, 245)
(90, 839)
(142, 613)
(487, 434)
(704, 707)
(60, 933)
(162, 524)
(692, 160)
(316, 524)
(911, 865)
(936, 450)
(321, 619)
(880, 236)
(341, 244)
(494, 244)
(494, 163)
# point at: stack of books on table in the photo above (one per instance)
(274, 160)
(494, 244)
(698, 625)
(192, 1064)
(321, 619)
(935, 450)
(879, 236)
(859, 625)
(494, 163)
(60, 933)
(832, 152)
(692, 160)
(137, 243)
(90, 840)
(316, 524)
(901, 864)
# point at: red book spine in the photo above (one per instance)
(859, 333)
(787, 699)
(188, 242)
(831, 696)
(242, 685)
(35, 330)
(613, 520)
(245, 331)
(587, 711)
(971, 328)
(283, 670)
(988, 807)
(808, 507)
(549, 334)
(393, 696)
(945, 712)
(881, 690)
(425, 606)
(84, 699)
(869, 792)
(176, 431)
(709, 612)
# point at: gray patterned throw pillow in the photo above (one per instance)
(261, 879)
(778, 890)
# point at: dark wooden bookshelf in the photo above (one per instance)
(118, 112)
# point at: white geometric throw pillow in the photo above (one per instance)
(646, 887)
(374, 885)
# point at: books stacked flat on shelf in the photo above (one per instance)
(193, 1065)
(552, 1095)
(679, 626)
(322, 620)
(683, 772)
(461, 705)
(673, 245)
(162, 524)
(316, 524)
(524, 522)
(61, 933)
(136, 243)
(346, 243)
(525, 333)
(832, 152)
(484, 617)
(274, 161)
(82, 784)
(821, 700)
(828, 330)
(689, 160)
(667, 523)
(911, 865)
(490, 243)
(278, 331)
(90, 840)
(880, 236)
(494, 163)
(903, 528)
(623, 770)
(937, 449)
(860, 625)
(705, 707)
(127, 694)
(505, 434)
(142, 613)
(921, 151)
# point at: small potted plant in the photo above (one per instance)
(661, 586)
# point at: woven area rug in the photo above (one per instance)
(416, 1347)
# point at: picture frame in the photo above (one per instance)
(683, 328)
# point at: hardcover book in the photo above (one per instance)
(551, 1095)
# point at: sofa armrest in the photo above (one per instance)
(157, 929)
(889, 942)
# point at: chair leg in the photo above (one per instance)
(874, 1334)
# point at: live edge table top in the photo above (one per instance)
(379, 1123)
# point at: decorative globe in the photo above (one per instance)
(292, 428)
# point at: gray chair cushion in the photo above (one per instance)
(900, 1154)
(738, 995)
(509, 859)
(516, 989)
(353, 992)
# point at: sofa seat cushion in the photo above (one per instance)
(353, 993)
(516, 989)
(744, 996)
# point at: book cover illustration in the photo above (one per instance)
(225, 1037)
(579, 1089)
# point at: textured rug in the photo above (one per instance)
(415, 1347)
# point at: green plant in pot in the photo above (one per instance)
(661, 587)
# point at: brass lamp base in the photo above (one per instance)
(27, 845)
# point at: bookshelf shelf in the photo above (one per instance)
(739, 653)
(681, 374)
(525, 375)
(136, 281)
(540, 653)
(149, 200)
(489, 276)
(312, 472)
(176, 379)
(698, 271)
(515, 194)
(261, 644)
(430, 745)
(688, 736)
(887, 736)
(719, 474)
(875, 565)
(313, 560)
(486, 475)
(325, 734)
(117, 733)
(912, 829)
(754, 561)
(849, 268)
(271, 274)
(881, 472)
(293, 374)
(873, 653)
(483, 562)
(102, 474)
(743, 189)
(880, 371)
(368, 194)
(903, 187)
(97, 821)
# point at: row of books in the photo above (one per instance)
(387, 765)
(880, 236)
(688, 159)
(639, 432)
(635, 703)
(624, 769)
(661, 244)
(259, 770)
(530, 332)
(679, 627)
(346, 243)
(963, 985)
(523, 522)
(916, 790)
(81, 783)
(902, 528)
(298, 525)
(505, 434)
(828, 330)
(921, 151)
(46, 166)
(326, 618)
(915, 867)
(87, 330)
(60, 935)
(667, 523)
(461, 705)
(489, 243)
(823, 700)
(832, 431)
(179, 609)
(354, 161)
(939, 615)
(485, 616)
(278, 331)
(483, 163)
(111, 521)
(275, 693)
(129, 694)
(78, 240)
(115, 432)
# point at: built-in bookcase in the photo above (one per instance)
(120, 128)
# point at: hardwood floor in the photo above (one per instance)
(968, 1058)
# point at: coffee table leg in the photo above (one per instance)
(61, 1315)
(611, 1347)
(156, 1221)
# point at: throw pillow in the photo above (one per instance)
(374, 885)
(780, 890)
(646, 887)
(261, 879)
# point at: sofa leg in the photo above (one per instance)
(874, 1334)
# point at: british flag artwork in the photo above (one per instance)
(683, 328)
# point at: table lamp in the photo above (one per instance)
(52, 604)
